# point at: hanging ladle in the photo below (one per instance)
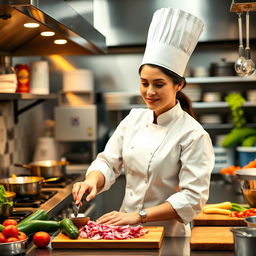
(240, 60)
(248, 66)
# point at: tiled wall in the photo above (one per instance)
(21, 137)
(9, 147)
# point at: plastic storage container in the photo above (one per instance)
(224, 157)
(246, 155)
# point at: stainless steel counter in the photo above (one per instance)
(219, 191)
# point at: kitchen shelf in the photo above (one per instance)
(220, 79)
(223, 126)
(25, 96)
(15, 97)
(195, 105)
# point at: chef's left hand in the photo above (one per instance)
(119, 218)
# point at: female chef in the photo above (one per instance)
(165, 153)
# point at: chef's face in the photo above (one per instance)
(157, 89)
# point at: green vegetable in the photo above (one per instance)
(37, 215)
(249, 141)
(237, 135)
(67, 227)
(3, 198)
(238, 207)
(33, 226)
(235, 102)
(1, 227)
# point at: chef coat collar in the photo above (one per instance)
(171, 114)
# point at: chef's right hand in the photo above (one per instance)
(80, 188)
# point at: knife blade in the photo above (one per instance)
(75, 208)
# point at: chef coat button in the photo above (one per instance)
(147, 125)
(131, 194)
(132, 147)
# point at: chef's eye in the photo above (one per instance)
(159, 85)
(144, 84)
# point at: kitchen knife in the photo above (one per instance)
(75, 208)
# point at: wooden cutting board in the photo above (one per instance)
(152, 240)
(211, 238)
(203, 219)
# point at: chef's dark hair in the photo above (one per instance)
(184, 100)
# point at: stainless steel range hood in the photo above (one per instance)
(55, 15)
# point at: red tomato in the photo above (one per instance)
(12, 239)
(41, 239)
(2, 238)
(10, 231)
(10, 222)
(22, 235)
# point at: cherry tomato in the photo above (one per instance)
(10, 222)
(22, 235)
(10, 231)
(11, 239)
(41, 239)
(2, 238)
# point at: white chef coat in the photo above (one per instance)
(168, 161)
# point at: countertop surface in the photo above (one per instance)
(172, 246)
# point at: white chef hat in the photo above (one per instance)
(172, 37)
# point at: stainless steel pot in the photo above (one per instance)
(245, 241)
(5, 210)
(46, 168)
(14, 248)
(25, 185)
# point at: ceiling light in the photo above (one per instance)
(60, 41)
(47, 33)
(31, 25)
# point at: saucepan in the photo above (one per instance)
(7, 208)
(46, 168)
(25, 185)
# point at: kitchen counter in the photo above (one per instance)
(176, 246)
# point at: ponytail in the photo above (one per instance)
(184, 100)
(185, 103)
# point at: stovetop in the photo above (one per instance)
(34, 201)
(59, 191)
(62, 182)
(19, 215)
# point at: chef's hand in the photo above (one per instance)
(80, 188)
(119, 218)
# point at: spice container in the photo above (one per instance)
(22, 72)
